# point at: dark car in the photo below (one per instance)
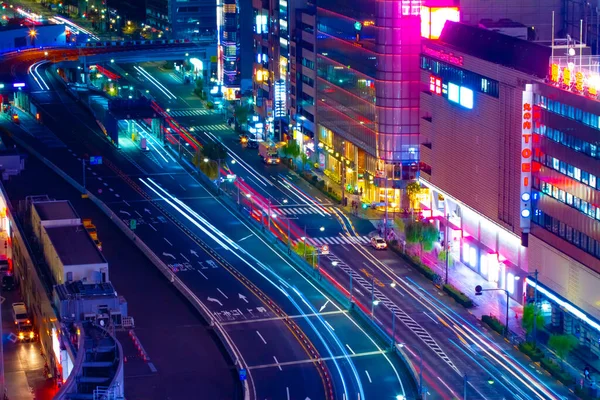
(252, 144)
(8, 282)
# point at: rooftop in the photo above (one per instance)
(74, 245)
(501, 23)
(82, 290)
(511, 52)
(54, 210)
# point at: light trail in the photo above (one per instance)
(155, 82)
(74, 25)
(153, 143)
(33, 71)
(234, 245)
(170, 199)
(484, 345)
(306, 199)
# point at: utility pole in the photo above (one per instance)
(343, 177)
(447, 246)
(385, 221)
(535, 308)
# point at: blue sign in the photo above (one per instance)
(18, 85)
(96, 160)
(242, 374)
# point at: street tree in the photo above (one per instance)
(291, 149)
(412, 191)
(214, 151)
(305, 161)
(562, 345)
(527, 319)
(241, 113)
(423, 233)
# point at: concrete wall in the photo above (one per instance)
(47, 35)
(567, 277)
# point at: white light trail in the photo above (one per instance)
(156, 83)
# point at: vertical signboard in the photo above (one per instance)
(280, 99)
(526, 157)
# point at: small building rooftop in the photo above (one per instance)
(74, 245)
(79, 289)
(55, 210)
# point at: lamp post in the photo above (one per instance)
(479, 291)
(401, 345)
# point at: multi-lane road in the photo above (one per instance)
(456, 352)
(295, 340)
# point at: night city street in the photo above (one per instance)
(299, 199)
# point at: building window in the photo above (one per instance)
(577, 173)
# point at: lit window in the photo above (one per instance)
(510, 283)
(473, 257)
(466, 97)
(592, 180)
(453, 92)
(555, 164)
(577, 173)
(569, 199)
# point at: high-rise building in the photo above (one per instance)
(357, 93)
(510, 163)
(186, 19)
(271, 64)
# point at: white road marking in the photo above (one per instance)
(261, 338)
(183, 187)
(220, 291)
(153, 227)
(244, 238)
(168, 242)
(138, 214)
(287, 390)
(129, 205)
(277, 363)
(350, 348)
(200, 272)
(184, 257)
(431, 318)
(368, 376)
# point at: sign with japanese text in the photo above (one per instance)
(526, 157)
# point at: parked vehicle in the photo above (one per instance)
(252, 144)
(19, 311)
(268, 152)
(378, 243)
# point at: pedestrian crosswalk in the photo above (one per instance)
(299, 210)
(189, 112)
(320, 241)
(208, 128)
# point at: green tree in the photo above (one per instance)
(562, 345)
(442, 257)
(291, 149)
(310, 251)
(241, 113)
(527, 319)
(423, 233)
(214, 151)
(305, 160)
(412, 191)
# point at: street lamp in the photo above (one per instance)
(401, 345)
(479, 291)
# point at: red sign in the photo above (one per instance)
(444, 56)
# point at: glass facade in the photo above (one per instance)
(368, 77)
(564, 132)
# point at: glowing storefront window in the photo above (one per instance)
(483, 263)
(473, 256)
(510, 283)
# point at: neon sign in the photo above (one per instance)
(435, 85)
(444, 56)
(531, 116)
(433, 20)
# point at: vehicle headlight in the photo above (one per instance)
(31, 335)
(21, 335)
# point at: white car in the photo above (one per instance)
(378, 243)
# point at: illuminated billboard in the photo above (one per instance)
(455, 93)
(526, 157)
(433, 20)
